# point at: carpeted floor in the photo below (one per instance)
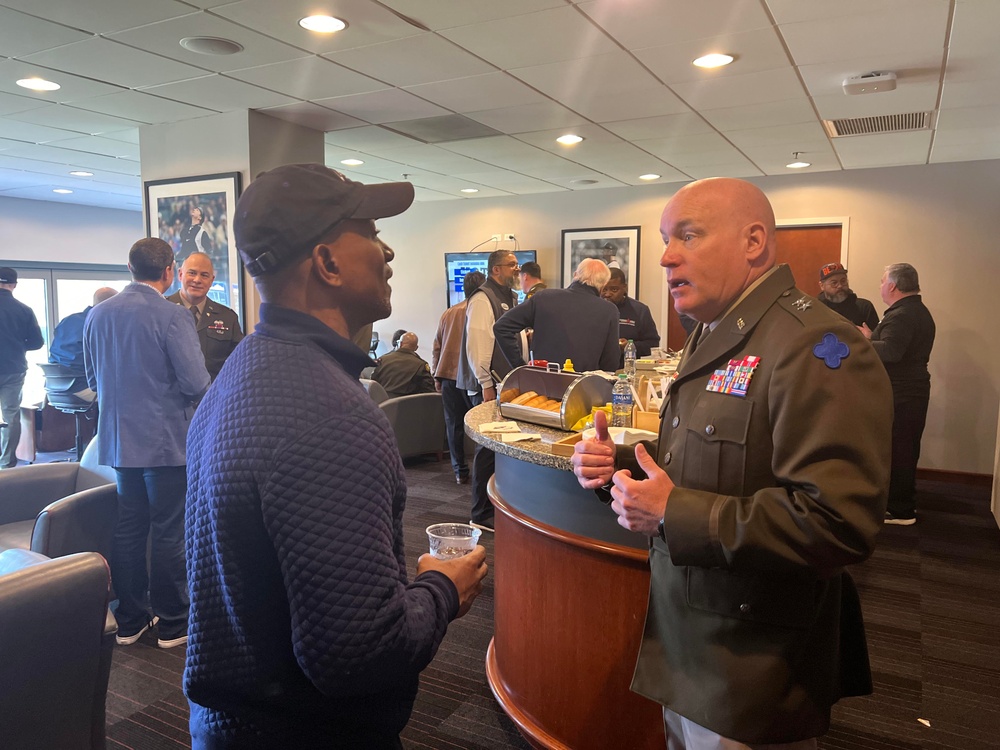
(931, 596)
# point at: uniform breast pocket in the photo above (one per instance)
(715, 444)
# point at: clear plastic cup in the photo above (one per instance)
(450, 540)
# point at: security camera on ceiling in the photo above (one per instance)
(870, 83)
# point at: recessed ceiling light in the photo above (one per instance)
(796, 162)
(470, 190)
(715, 60)
(351, 162)
(569, 139)
(322, 24)
(210, 45)
(649, 176)
(38, 84)
(81, 173)
(62, 191)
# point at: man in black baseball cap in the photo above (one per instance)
(836, 294)
(296, 494)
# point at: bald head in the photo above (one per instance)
(408, 341)
(720, 238)
(104, 293)
(196, 276)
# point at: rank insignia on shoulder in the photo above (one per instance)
(802, 303)
(831, 350)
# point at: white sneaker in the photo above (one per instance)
(128, 640)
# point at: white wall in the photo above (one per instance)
(944, 219)
(46, 231)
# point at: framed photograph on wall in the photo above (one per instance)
(195, 214)
(616, 246)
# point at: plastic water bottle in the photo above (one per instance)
(621, 403)
(630, 361)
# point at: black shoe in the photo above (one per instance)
(459, 479)
(127, 638)
(484, 525)
(899, 520)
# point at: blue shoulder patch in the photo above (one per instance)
(831, 350)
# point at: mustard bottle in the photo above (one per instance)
(568, 366)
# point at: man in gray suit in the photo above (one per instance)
(143, 359)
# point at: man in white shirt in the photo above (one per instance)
(484, 364)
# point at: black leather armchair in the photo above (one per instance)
(59, 508)
(56, 644)
(418, 422)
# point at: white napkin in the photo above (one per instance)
(508, 437)
(499, 427)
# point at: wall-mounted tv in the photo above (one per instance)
(456, 265)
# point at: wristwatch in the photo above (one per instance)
(660, 532)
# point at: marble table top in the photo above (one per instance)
(533, 451)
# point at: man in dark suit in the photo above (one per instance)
(769, 476)
(218, 326)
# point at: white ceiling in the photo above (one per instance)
(617, 72)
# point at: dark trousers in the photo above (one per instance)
(151, 505)
(907, 429)
(456, 403)
(483, 466)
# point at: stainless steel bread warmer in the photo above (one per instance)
(578, 393)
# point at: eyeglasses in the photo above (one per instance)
(509, 265)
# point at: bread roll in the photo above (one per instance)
(554, 406)
(524, 398)
(509, 395)
(536, 402)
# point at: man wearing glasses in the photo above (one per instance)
(837, 295)
(484, 364)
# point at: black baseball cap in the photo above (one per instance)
(831, 269)
(285, 211)
(8, 275)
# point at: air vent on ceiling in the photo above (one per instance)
(441, 129)
(878, 124)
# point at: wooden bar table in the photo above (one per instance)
(570, 602)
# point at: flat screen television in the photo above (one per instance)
(456, 265)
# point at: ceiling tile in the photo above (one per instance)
(75, 159)
(446, 14)
(578, 80)
(534, 39)
(374, 166)
(67, 117)
(73, 87)
(969, 117)
(115, 63)
(756, 50)
(966, 152)
(593, 135)
(220, 93)
(309, 78)
(21, 34)
(914, 68)
(528, 117)
(142, 107)
(793, 11)
(683, 150)
(974, 28)
(369, 139)
(735, 91)
(95, 144)
(512, 182)
(881, 32)
(163, 38)
(767, 115)
(12, 103)
(685, 123)
(31, 133)
(475, 93)
(649, 23)
(884, 150)
(428, 58)
(432, 158)
(101, 17)
(313, 116)
(976, 136)
(796, 136)
(368, 23)
(737, 167)
(388, 105)
(966, 94)
(629, 104)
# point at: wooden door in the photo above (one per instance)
(805, 249)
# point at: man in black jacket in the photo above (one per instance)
(403, 372)
(19, 333)
(903, 341)
(635, 321)
(837, 295)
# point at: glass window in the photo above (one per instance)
(32, 292)
(76, 295)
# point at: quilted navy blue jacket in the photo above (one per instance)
(304, 631)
